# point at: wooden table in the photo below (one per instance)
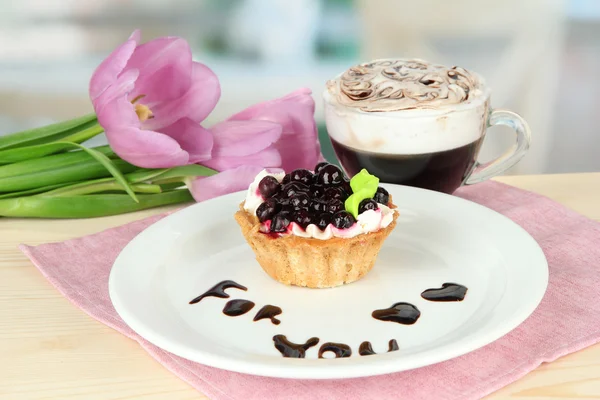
(49, 349)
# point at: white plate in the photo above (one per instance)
(439, 238)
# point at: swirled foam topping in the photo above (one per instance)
(395, 85)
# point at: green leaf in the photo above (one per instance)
(30, 192)
(133, 177)
(105, 185)
(40, 150)
(98, 186)
(144, 174)
(46, 133)
(50, 162)
(88, 206)
(108, 164)
(171, 186)
(364, 186)
(184, 171)
(87, 168)
(364, 180)
(59, 136)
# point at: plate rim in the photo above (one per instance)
(304, 368)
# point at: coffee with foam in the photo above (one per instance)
(405, 107)
(405, 119)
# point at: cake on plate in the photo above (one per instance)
(316, 228)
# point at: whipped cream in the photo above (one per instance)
(253, 197)
(366, 222)
(394, 85)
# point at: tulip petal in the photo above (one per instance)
(266, 158)
(232, 180)
(113, 111)
(300, 97)
(192, 137)
(109, 69)
(299, 151)
(165, 66)
(199, 101)
(299, 145)
(122, 112)
(136, 35)
(241, 138)
(146, 149)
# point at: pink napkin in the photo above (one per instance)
(568, 319)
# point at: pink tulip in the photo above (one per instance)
(277, 134)
(150, 99)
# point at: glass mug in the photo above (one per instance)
(433, 149)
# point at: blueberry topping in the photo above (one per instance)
(381, 196)
(268, 186)
(334, 193)
(302, 187)
(316, 191)
(345, 186)
(320, 166)
(302, 218)
(330, 175)
(267, 210)
(287, 208)
(300, 200)
(343, 220)
(323, 220)
(292, 188)
(282, 201)
(367, 204)
(318, 206)
(302, 175)
(334, 205)
(281, 221)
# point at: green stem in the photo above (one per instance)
(30, 192)
(187, 170)
(143, 175)
(110, 167)
(109, 184)
(83, 135)
(46, 133)
(50, 162)
(42, 172)
(18, 154)
(85, 169)
(171, 186)
(38, 151)
(94, 205)
(140, 175)
(177, 179)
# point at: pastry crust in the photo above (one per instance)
(310, 262)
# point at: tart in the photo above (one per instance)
(316, 228)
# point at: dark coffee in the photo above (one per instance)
(442, 171)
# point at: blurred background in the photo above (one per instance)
(541, 57)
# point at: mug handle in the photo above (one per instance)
(482, 172)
